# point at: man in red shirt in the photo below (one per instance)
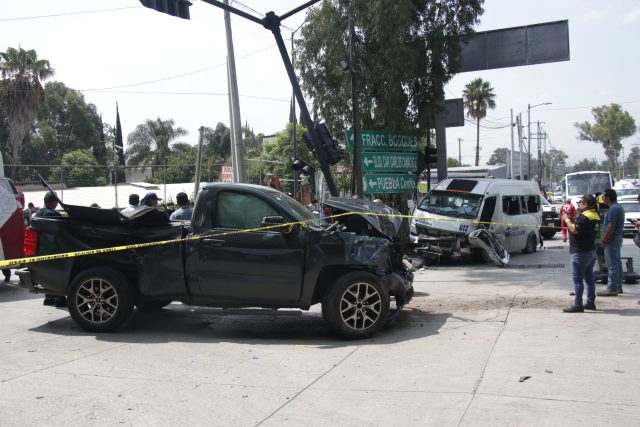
(566, 210)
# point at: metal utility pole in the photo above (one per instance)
(356, 179)
(198, 162)
(115, 171)
(539, 156)
(519, 124)
(459, 151)
(511, 160)
(238, 147)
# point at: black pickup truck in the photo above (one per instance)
(353, 266)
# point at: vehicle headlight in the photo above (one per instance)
(412, 226)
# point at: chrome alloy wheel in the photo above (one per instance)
(97, 300)
(360, 306)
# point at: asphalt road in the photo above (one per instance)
(454, 357)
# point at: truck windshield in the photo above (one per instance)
(452, 204)
(301, 212)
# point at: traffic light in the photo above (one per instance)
(330, 145)
(303, 167)
(179, 8)
(430, 155)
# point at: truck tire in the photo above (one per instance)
(356, 306)
(532, 244)
(100, 299)
(548, 235)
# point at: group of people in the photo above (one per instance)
(183, 213)
(598, 222)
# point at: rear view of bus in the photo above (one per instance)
(577, 184)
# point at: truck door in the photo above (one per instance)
(232, 265)
(514, 229)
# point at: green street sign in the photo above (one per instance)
(388, 183)
(384, 141)
(389, 162)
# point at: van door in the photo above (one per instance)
(514, 217)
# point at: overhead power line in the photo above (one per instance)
(55, 15)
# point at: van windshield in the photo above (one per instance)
(453, 204)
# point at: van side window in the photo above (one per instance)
(533, 204)
(511, 205)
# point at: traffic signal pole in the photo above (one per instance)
(272, 22)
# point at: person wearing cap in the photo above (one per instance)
(184, 211)
(582, 236)
(49, 211)
(150, 199)
(611, 241)
(134, 201)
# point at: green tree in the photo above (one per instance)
(453, 162)
(585, 165)
(406, 52)
(65, 122)
(277, 155)
(632, 163)
(21, 89)
(499, 156)
(478, 97)
(80, 169)
(612, 125)
(118, 145)
(554, 161)
(150, 143)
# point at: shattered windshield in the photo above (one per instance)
(301, 212)
(453, 204)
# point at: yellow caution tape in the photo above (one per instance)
(29, 260)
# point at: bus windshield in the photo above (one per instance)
(452, 204)
(587, 183)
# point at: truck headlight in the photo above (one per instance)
(412, 226)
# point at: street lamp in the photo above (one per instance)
(529, 107)
(294, 147)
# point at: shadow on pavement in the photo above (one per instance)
(180, 323)
(11, 292)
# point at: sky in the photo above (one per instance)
(154, 65)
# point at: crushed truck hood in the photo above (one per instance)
(389, 226)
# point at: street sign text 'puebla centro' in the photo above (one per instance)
(378, 183)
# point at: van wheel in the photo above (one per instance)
(100, 299)
(532, 244)
(356, 306)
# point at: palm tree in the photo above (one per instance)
(22, 93)
(150, 143)
(478, 97)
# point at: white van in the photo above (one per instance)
(456, 207)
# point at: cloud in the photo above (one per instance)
(632, 16)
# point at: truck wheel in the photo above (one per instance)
(532, 243)
(356, 306)
(548, 235)
(100, 299)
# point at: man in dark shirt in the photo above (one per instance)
(49, 211)
(582, 236)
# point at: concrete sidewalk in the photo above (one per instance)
(454, 357)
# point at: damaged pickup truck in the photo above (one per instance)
(352, 266)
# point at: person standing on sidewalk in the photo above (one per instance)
(612, 243)
(582, 236)
(566, 210)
